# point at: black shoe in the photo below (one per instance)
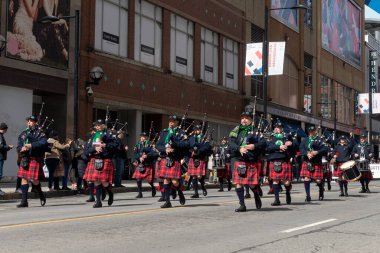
(154, 192)
(363, 191)
(139, 196)
(195, 196)
(247, 196)
(43, 199)
(321, 195)
(161, 199)
(288, 198)
(329, 187)
(346, 193)
(57, 189)
(341, 194)
(258, 202)
(368, 191)
(166, 205)
(182, 199)
(174, 194)
(66, 188)
(204, 192)
(220, 190)
(22, 204)
(104, 194)
(91, 199)
(110, 198)
(229, 186)
(276, 203)
(97, 204)
(241, 209)
(308, 199)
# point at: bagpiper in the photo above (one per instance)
(243, 144)
(172, 147)
(222, 158)
(32, 145)
(279, 148)
(100, 150)
(312, 150)
(363, 153)
(144, 157)
(198, 157)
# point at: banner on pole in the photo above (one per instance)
(363, 103)
(254, 59)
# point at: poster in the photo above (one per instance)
(288, 17)
(29, 40)
(363, 103)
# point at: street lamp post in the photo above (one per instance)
(50, 19)
(266, 51)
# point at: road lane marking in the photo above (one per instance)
(308, 226)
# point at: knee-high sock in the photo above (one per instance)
(240, 194)
(345, 183)
(79, 183)
(91, 187)
(39, 190)
(24, 195)
(307, 187)
(167, 190)
(289, 188)
(220, 183)
(98, 193)
(362, 183)
(276, 190)
(195, 185)
(366, 183)
(341, 185)
(202, 181)
(246, 187)
(139, 186)
(151, 184)
(162, 190)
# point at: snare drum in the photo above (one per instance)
(362, 165)
(350, 171)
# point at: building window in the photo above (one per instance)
(344, 97)
(308, 83)
(230, 63)
(148, 33)
(326, 103)
(308, 17)
(257, 86)
(209, 55)
(181, 45)
(111, 26)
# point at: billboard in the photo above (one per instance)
(286, 16)
(341, 34)
(31, 41)
(254, 59)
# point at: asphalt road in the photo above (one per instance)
(209, 224)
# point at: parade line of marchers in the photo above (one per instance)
(177, 157)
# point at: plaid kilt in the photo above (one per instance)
(224, 173)
(196, 171)
(337, 171)
(285, 175)
(173, 172)
(251, 177)
(260, 168)
(34, 172)
(147, 175)
(104, 175)
(366, 175)
(316, 175)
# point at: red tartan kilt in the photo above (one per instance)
(173, 172)
(146, 175)
(285, 175)
(224, 173)
(104, 175)
(34, 172)
(316, 175)
(251, 177)
(366, 175)
(337, 172)
(199, 171)
(157, 170)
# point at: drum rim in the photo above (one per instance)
(352, 163)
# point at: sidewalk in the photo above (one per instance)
(129, 186)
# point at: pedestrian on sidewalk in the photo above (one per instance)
(4, 148)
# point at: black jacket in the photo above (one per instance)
(367, 150)
(4, 148)
(315, 145)
(38, 141)
(109, 150)
(273, 148)
(179, 145)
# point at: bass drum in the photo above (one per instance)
(350, 171)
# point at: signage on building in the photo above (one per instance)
(373, 71)
(181, 60)
(254, 59)
(111, 38)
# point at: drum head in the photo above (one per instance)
(347, 165)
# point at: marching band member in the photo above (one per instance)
(100, 150)
(172, 148)
(144, 161)
(312, 149)
(279, 148)
(243, 144)
(32, 144)
(341, 154)
(199, 152)
(224, 155)
(364, 152)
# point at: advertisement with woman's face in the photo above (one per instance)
(29, 40)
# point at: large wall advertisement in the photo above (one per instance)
(341, 30)
(29, 40)
(288, 17)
